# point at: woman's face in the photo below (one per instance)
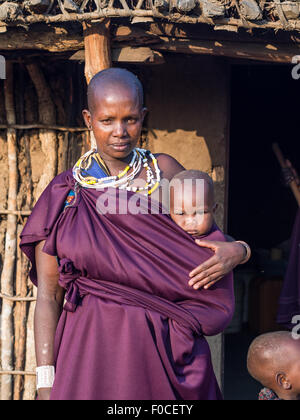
(116, 120)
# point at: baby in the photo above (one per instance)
(192, 202)
(273, 360)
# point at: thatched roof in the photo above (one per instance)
(222, 14)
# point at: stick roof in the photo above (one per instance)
(227, 15)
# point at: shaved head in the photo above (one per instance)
(112, 79)
(194, 175)
(270, 353)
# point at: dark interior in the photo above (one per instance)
(261, 209)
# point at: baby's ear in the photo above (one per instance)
(283, 381)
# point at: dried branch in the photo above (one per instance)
(7, 275)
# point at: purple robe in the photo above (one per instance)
(132, 328)
(289, 302)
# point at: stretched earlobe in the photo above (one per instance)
(93, 141)
(87, 118)
(144, 112)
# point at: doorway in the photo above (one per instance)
(261, 209)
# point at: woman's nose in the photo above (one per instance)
(119, 129)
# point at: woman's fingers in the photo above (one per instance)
(213, 245)
(211, 283)
(210, 266)
(214, 269)
(206, 278)
(227, 255)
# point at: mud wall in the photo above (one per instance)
(189, 114)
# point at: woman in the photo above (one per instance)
(132, 326)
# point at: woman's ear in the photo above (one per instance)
(87, 118)
(144, 112)
(283, 381)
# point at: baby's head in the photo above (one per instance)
(274, 361)
(192, 202)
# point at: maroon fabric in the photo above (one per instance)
(132, 328)
(289, 302)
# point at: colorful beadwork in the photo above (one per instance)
(90, 171)
(70, 198)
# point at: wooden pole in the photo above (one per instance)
(282, 162)
(22, 265)
(97, 51)
(47, 116)
(20, 319)
(7, 276)
(97, 48)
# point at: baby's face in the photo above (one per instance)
(195, 216)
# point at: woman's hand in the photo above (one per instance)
(44, 394)
(227, 256)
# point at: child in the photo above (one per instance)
(273, 360)
(192, 207)
(192, 203)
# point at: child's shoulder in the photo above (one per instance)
(267, 394)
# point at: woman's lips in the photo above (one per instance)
(120, 146)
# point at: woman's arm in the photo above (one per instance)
(48, 309)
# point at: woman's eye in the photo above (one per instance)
(131, 120)
(107, 121)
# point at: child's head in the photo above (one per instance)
(192, 202)
(274, 361)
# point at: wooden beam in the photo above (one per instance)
(60, 40)
(280, 53)
(97, 48)
(134, 55)
(54, 40)
(189, 39)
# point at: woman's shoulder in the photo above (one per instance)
(64, 178)
(57, 189)
(168, 165)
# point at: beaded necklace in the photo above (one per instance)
(90, 171)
